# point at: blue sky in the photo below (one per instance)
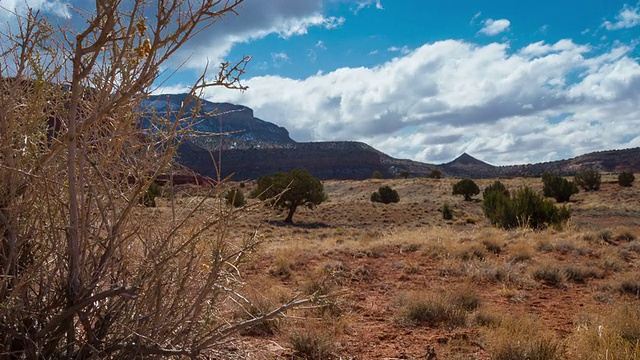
(506, 81)
(370, 36)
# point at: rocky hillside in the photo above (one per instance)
(325, 160)
(230, 140)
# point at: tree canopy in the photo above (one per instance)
(289, 190)
(466, 188)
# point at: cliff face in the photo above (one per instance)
(233, 141)
(240, 128)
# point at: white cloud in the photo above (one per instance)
(9, 8)
(494, 27)
(627, 18)
(475, 17)
(320, 45)
(403, 50)
(256, 20)
(565, 45)
(280, 59)
(451, 96)
(367, 3)
(373, 52)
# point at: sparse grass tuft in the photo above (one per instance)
(419, 308)
(612, 262)
(630, 286)
(313, 342)
(580, 274)
(605, 235)
(549, 274)
(493, 245)
(520, 252)
(517, 339)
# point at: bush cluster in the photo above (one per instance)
(588, 180)
(385, 195)
(525, 208)
(626, 178)
(558, 187)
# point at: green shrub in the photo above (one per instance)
(447, 213)
(149, 197)
(496, 186)
(385, 195)
(557, 187)
(435, 174)
(498, 208)
(626, 179)
(466, 188)
(404, 174)
(376, 175)
(525, 208)
(235, 197)
(588, 180)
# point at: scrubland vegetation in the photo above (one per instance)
(411, 284)
(99, 261)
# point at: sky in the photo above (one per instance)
(508, 82)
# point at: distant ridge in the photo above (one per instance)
(466, 159)
(466, 165)
(254, 147)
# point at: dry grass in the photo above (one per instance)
(609, 336)
(523, 338)
(402, 264)
(429, 309)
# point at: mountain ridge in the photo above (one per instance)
(251, 147)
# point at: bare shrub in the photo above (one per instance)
(84, 271)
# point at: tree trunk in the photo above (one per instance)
(289, 219)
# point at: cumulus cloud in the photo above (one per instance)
(627, 18)
(494, 27)
(533, 104)
(257, 20)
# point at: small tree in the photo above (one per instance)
(376, 175)
(558, 187)
(385, 195)
(289, 190)
(404, 174)
(435, 174)
(466, 188)
(235, 197)
(626, 179)
(588, 180)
